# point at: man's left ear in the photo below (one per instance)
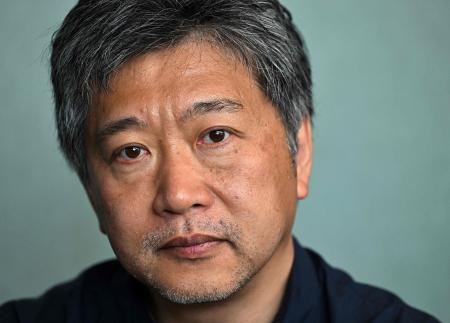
(304, 158)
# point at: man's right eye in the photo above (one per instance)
(131, 153)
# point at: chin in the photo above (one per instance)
(200, 285)
(199, 292)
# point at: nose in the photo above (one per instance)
(182, 185)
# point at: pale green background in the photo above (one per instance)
(379, 204)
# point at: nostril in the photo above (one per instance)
(170, 212)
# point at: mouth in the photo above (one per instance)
(194, 246)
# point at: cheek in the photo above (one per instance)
(124, 209)
(260, 190)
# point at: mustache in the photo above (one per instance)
(222, 229)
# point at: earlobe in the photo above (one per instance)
(304, 158)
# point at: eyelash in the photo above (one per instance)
(227, 134)
(118, 154)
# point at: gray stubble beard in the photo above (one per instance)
(245, 271)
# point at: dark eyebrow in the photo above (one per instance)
(198, 108)
(116, 126)
(214, 105)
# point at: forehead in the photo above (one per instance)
(177, 77)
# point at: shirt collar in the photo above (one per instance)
(303, 298)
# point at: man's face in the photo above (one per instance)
(190, 173)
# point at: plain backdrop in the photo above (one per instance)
(379, 205)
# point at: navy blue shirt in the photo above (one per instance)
(316, 292)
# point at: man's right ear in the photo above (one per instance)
(304, 158)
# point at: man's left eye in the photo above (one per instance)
(215, 136)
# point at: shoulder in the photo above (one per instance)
(64, 300)
(356, 302)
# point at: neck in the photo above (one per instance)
(256, 302)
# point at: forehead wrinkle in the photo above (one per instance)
(211, 106)
(116, 126)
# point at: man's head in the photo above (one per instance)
(182, 119)
(99, 36)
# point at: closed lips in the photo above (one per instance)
(189, 241)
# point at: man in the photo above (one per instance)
(189, 125)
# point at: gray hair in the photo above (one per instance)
(99, 36)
